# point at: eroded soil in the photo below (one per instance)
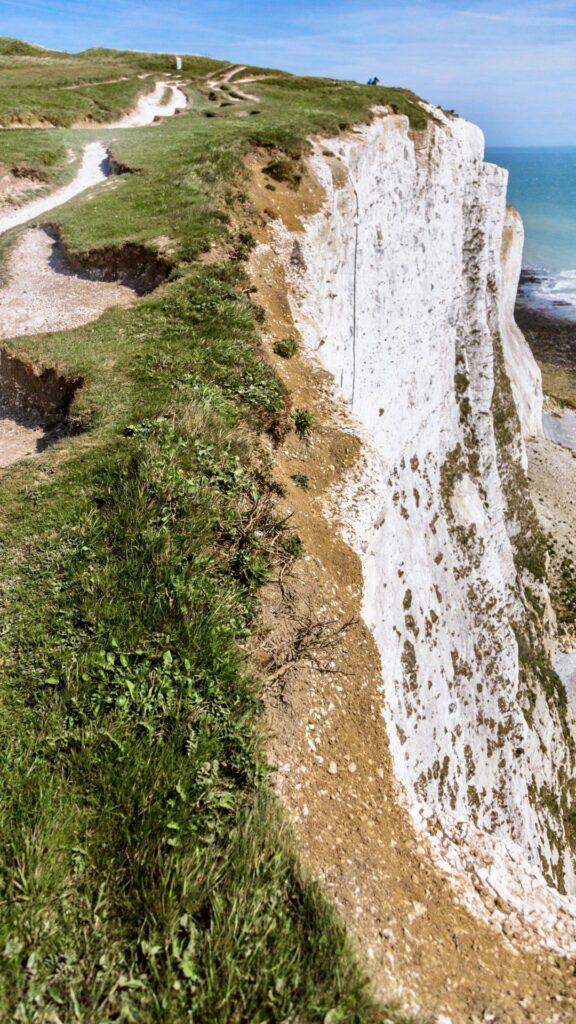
(43, 294)
(22, 434)
(17, 189)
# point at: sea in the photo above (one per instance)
(542, 187)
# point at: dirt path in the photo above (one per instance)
(95, 163)
(97, 81)
(235, 95)
(152, 106)
(235, 70)
(44, 294)
(93, 170)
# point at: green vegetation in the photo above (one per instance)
(461, 383)
(303, 420)
(565, 593)
(38, 154)
(62, 92)
(346, 96)
(564, 403)
(301, 480)
(20, 48)
(284, 170)
(286, 347)
(96, 86)
(452, 470)
(145, 874)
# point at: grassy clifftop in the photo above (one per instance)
(44, 87)
(145, 874)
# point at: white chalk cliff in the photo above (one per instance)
(403, 286)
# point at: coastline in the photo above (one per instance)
(552, 340)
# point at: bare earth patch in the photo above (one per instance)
(16, 190)
(42, 293)
(21, 436)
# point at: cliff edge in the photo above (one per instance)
(404, 291)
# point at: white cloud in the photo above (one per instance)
(516, 18)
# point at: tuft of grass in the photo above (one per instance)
(286, 347)
(301, 480)
(294, 546)
(303, 420)
(284, 170)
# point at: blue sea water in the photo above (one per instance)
(542, 187)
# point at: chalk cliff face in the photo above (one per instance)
(403, 285)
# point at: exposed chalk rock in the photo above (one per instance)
(405, 293)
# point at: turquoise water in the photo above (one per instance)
(542, 187)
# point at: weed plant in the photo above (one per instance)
(286, 347)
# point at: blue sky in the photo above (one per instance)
(509, 66)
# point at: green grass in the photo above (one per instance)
(20, 48)
(42, 153)
(286, 347)
(62, 92)
(95, 86)
(145, 871)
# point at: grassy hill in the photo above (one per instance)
(145, 871)
(44, 87)
(20, 48)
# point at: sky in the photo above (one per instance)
(509, 66)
